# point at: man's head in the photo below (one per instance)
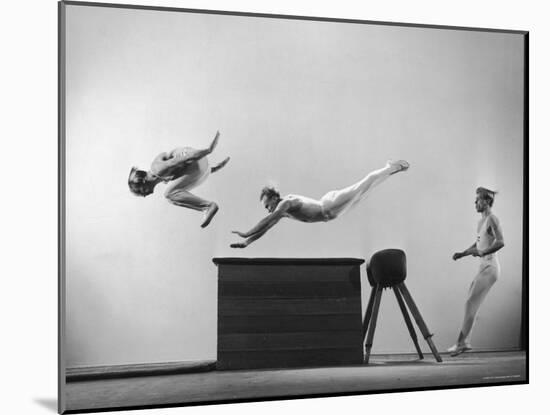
(484, 198)
(139, 183)
(270, 197)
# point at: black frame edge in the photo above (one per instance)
(524, 332)
(61, 380)
(290, 17)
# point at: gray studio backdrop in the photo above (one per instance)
(307, 106)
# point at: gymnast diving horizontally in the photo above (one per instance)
(305, 209)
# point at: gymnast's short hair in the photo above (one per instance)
(486, 194)
(269, 192)
(136, 181)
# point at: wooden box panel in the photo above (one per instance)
(279, 313)
(288, 359)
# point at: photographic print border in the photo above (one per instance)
(524, 332)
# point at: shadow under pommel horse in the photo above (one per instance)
(388, 269)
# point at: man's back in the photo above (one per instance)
(174, 165)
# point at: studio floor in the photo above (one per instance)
(384, 372)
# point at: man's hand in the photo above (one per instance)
(458, 255)
(241, 234)
(239, 245)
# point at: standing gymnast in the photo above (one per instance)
(489, 241)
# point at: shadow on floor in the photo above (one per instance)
(48, 403)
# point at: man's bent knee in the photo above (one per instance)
(170, 196)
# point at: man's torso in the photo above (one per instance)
(304, 209)
(485, 237)
(191, 170)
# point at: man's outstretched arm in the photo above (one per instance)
(249, 240)
(263, 226)
(195, 155)
(164, 163)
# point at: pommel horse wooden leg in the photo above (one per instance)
(368, 312)
(408, 321)
(373, 307)
(418, 318)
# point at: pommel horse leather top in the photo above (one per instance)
(289, 312)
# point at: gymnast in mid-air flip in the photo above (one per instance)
(186, 167)
(305, 209)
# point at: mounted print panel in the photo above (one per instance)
(270, 207)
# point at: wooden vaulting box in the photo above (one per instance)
(288, 312)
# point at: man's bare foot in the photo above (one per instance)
(239, 245)
(457, 349)
(209, 214)
(220, 165)
(214, 142)
(397, 166)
